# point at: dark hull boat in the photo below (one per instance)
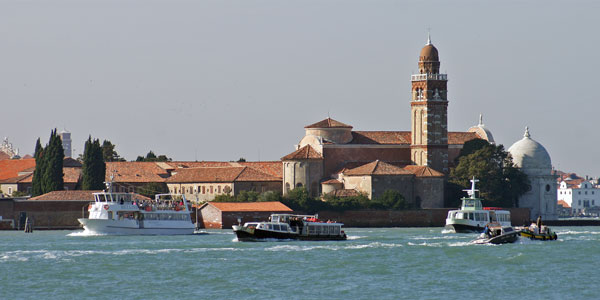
(290, 227)
(498, 235)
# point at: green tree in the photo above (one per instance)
(501, 183)
(152, 157)
(93, 171)
(48, 174)
(109, 153)
(54, 156)
(36, 184)
(391, 199)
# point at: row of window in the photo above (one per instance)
(202, 190)
(569, 193)
(586, 203)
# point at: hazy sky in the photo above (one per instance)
(220, 80)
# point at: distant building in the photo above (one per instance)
(335, 159)
(533, 159)
(223, 215)
(580, 195)
(205, 183)
(7, 151)
(65, 136)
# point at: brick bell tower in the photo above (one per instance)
(429, 112)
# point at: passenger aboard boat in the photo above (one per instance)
(472, 216)
(287, 226)
(495, 233)
(119, 213)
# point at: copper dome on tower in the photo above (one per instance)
(429, 52)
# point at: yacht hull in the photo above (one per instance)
(245, 234)
(134, 227)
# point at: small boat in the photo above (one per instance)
(534, 232)
(292, 227)
(497, 234)
(472, 216)
(120, 213)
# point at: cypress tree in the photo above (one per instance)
(54, 155)
(36, 184)
(94, 168)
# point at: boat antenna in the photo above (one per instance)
(472, 191)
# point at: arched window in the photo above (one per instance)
(287, 187)
(298, 185)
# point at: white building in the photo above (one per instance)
(580, 197)
(533, 159)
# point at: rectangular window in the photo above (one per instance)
(203, 190)
(211, 189)
(10, 190)
(219, 190)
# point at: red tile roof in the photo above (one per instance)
(133, 171)
(10, 168)
(381, 137)
(74, 195)
(274, 206)
(306, 152)
(563, 204)
(4, 156)
(219, 174)
(404, 137)
(377, 168)
(273, 168)
(459, 138)
(328, 123)
(331, 181)
(423, 171)
(17, 179)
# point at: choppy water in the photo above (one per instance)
(390, 263)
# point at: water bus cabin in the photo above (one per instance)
(288, 226)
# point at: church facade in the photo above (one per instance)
(332, 158)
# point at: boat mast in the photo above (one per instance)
(472, 191)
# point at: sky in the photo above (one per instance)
(220, 80)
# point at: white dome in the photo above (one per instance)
(530, 156)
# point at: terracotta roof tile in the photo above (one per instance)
(563, 204)
(381, 137)
(306, 152)
(274, 206)
(328, 123)
(133, 171)
(377, 168)
(10, 168)
(273, 168)
(404, 137)
(4, 156)
(74, 195)
(331, 181)
(459, 138)
(16, 179)
(423, 171)
(219, 174)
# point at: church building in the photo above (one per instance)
(334, 158)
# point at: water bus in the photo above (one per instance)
(288, 226)
(120, 213)
(472, 216)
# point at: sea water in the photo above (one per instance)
(374, 263)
